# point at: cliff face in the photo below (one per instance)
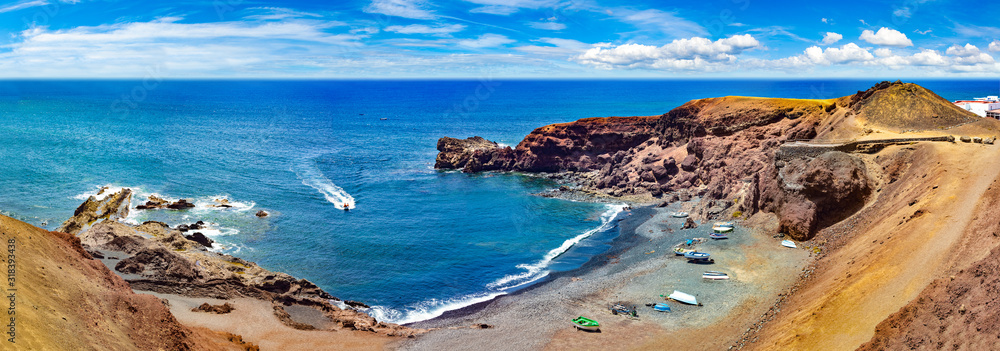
(722, 149)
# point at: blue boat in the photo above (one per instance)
(717, 236)
(662, 307)
(694, 255)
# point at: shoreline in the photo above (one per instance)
(618, 244)
(637, 268)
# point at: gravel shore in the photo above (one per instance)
(638, 268)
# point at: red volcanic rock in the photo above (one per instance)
(689, 162)
(810, 194)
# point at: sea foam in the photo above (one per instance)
(533, 272)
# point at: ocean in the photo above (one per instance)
(417, 241)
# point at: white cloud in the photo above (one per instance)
(847, 53)
(415, 9)
(963, 51)
(995, 46)
(486, 41)
(927, 57)
(831, 37)
(883, 52)
(547, 25)
(886, 37)
(825, 20)
(665, 22)
(902, 12)
(496, 10)
(23, 5)
(683, 54)
(424, 29)
(186, 49)
(279, 13)
(558, 47)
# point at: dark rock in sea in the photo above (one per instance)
(356, 304)
(200, 238)
(96, 254)
(111, 207)
(180, 205)
(183, 227)
(261, 214)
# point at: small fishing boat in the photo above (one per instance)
(722, 229)
(679, 214)
(788, 243)
(584, 323)
(679, 251)
(713, 275)
(683, 298)
(717, 236)
(724, 224)
(661, 307)
(695, 255)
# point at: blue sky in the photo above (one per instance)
(497, 38)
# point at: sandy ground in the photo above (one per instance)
(892, 252)
(640, 267)
(255, 321)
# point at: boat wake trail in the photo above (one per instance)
(313, 177)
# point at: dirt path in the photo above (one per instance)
(883, 266)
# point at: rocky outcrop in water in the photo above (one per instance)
(106, 207)
(156, 203)
(155, 257)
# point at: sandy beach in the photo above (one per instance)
(640, 266)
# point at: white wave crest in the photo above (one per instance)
(428, 309)
(311, 176)
(537, 270)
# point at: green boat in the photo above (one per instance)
(585, 323)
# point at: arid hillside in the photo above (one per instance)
(64, 300)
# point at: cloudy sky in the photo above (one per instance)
(498, 38)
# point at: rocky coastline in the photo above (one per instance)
(155, 257)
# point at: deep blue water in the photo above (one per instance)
(417, 241)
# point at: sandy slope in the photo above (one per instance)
(255, 321)
(67, 301)
(890, 251)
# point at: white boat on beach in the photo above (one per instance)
(679, 214)
(722, 229)
(788, 243)
(713, 275)
(683, 298)
(724, 224)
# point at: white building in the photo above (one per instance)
(984, 107)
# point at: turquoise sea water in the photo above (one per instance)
(417, 241)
